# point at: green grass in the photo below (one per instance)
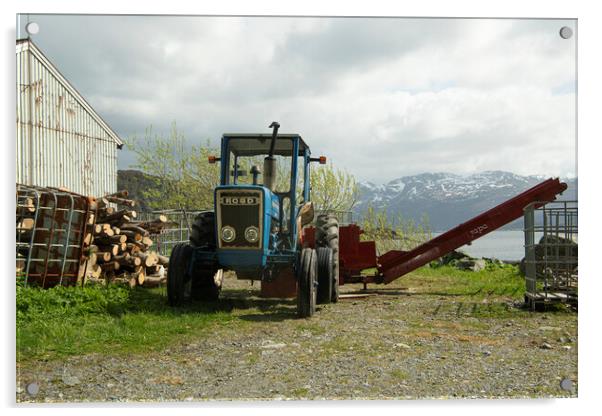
(65, 321)
(500, 281)
(399, 374)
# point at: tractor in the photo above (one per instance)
(255, 228)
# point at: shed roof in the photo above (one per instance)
(27, 45)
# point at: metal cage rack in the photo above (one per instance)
(551, 253)
(51, 225)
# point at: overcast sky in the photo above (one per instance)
(382, 98)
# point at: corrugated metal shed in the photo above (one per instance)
(61, 140)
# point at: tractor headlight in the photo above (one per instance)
(252, 234)
(228, 234)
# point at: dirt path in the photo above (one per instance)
(395, 344)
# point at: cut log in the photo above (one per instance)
(90, 250)
(113, 249)
(88, 239)
(112, 265)
(94, 271)
(123, 259)
(147, 241)
(133, 248)
(154, 281)
(21, 265)
(92, 205)
(119, 194)
(25, 224)
(104, 256)
(131, 227)
(101, 203)
(121, 201)
(115, 239)
(140, 275)
(155, 226)
(148, 259)
(92, 259)
(163, 260)
(132, 235)
(121, 216)
(107, 233)
(156, 270)
(104, 212)
(26, 206)
(116, 230)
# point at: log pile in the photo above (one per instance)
(119, 247)
(24, 227)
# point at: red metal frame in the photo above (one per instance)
(356, 255)
(395, 264)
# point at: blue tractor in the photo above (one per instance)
(255, 227)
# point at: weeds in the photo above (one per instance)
(73, 320)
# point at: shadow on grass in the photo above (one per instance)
(155, 302)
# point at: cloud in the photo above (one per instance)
(382, 97)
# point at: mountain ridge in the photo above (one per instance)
(448, 199)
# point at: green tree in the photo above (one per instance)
(396, 234)
(182, 174)
(333, 189)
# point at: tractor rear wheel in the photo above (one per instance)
(306, 280)
(202, 233)
(179, 282)
(325, 274)
(327, 235)
(204, 286)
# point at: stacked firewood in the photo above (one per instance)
(119, 247)
(25, 224)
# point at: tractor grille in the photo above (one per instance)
(239, 209)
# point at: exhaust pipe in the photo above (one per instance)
(270, 164)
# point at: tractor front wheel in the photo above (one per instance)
(179, 282)
(306, 281)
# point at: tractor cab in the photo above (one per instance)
(278, 183)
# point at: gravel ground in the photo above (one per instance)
(397, 343)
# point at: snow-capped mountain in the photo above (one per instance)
(446, 198)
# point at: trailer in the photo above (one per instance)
(356, 256)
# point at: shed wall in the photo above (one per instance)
(59, 143)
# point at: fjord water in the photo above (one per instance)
(502, 245)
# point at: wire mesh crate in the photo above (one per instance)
(551, 253)
(51, 227)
